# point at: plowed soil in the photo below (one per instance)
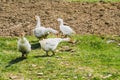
(85, 18)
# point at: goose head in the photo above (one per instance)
(21, 37)
(59, 19)
(22, 34)
(37, 17)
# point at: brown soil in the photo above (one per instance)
(85, 18)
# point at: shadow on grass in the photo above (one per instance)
(43, 56)
(14, 61)
(35, 46)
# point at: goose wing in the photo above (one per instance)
(24, 45)
(67, 29)
(38, 32)
(51, 43)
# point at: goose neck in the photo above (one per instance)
(61, 22)
(38, 23)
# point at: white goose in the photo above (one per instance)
(51, 44)
(66, 30)
(42, 32)
(24, 46)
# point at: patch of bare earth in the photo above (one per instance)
(85, 18)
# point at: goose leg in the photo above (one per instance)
(45, 36)
(46, 53)
(26, 55)
(53, 53)
(71, 40)
(64, 36)
(22, 55)
(58, 35)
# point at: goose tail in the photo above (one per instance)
(66, 39)
(74, 32)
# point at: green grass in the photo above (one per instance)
(92, 59)
(93, 0)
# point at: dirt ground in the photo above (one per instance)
(85, 18)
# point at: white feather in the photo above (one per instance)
(24, 45)
(66, 30)
(51, 43)
(41, 31)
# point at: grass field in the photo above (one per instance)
(91, 58)
(94, 0)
